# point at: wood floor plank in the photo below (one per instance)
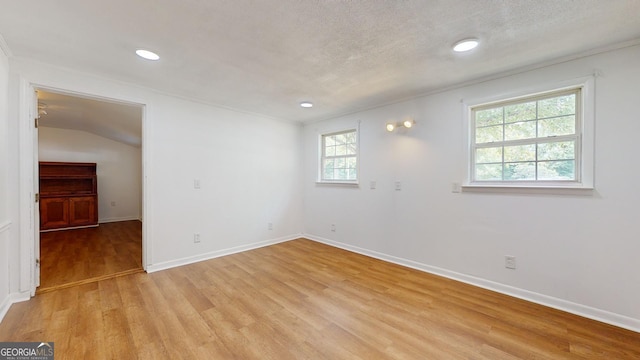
(303, 300)
(78, 255)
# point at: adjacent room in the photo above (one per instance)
(90, 223)
(304, 179)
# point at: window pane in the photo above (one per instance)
(520, 112)
(557, 151)
(327, 174)
(330, 151)
(489, 155)
(351, 137)
(520, 171)
(489, 134)
(351, 149)
(489, 117)
(339, 156)
(558, 106)
(520, 130)
(328, 164)
(565, 125)
(486, 172)
(329, 140)
(557, 170)
(520, 153)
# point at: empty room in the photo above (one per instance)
(320, 179)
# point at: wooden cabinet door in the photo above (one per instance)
(54, 213)
(82, 211)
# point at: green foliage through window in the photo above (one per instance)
(532, 139)
(339, 156)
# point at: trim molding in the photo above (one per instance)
(10, 300)
(556, 303)
(218, 253)
(118, 219)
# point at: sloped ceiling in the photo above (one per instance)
(115, 121)
(267, 56)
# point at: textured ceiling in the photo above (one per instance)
(344, 55)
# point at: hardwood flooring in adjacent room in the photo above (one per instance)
(68, 257)
(303, 300)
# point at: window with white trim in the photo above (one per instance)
(533, 140)
(339, 157)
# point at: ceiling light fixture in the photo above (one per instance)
(306, 104)
(465, 45)
(146, 54)
(408, 123)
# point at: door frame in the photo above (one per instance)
(28, 165)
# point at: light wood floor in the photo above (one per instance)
(69, 257)
(303, 300)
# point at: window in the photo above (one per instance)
(339, 157)
(532, 140)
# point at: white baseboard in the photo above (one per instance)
(118, 219)
(218, 253)
(556, 303)
(10, 300)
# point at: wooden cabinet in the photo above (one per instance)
(68, 195)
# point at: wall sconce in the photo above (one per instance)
(408, 123)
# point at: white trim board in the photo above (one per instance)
(118, 219)
(10, 300)
(556, 303)
(218, 253)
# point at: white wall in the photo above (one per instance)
(119, 168)
(5, 220)
(579, 253)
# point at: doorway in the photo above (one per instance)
(75, 129)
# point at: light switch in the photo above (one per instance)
(196, 183)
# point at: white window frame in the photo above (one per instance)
(585, 135)
(321, 157)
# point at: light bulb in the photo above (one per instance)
(390, 127)
(407, 123)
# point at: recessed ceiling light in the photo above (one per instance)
(306, 104)
(465, 45)
(146, 54)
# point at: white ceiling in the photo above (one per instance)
(344, 55)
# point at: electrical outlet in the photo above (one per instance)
(455, 187)
(510, 262)
(270, 226)
(196, 238)
(333, 227)
(372, 184)
(398, 186)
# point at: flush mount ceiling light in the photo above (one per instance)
(306, 104)
(465, 45)
(407, 123)
(146, 54)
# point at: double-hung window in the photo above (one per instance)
(339, 157)
(533, 140)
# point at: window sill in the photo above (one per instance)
(339, 183)
(529, 189)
